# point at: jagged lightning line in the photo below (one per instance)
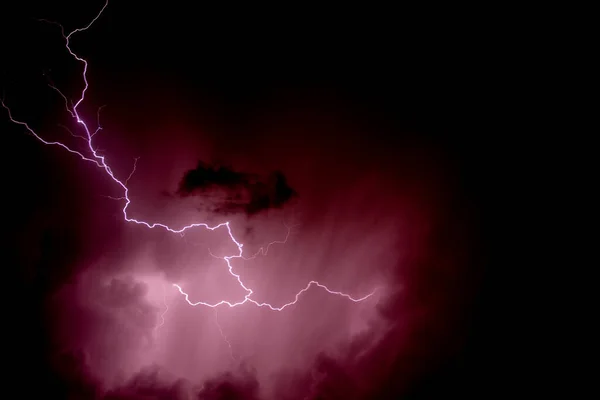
(100, 161)
(224, 336)
(264, 250)
(162, 315)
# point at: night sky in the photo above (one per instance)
(372, 140)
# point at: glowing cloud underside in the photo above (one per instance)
(101, 162)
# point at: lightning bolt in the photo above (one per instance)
(223, 335)
(92, 155)
(162, 315)
(265, 249)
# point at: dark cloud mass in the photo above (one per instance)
(226, 191)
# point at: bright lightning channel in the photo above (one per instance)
(101, 162)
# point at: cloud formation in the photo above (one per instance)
(228, 191)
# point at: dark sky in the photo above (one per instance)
(406, 103)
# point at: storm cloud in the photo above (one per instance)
(339, 192)
(226, 191)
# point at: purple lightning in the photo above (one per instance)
(224, 336)
(101, 162)
(162, 315)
